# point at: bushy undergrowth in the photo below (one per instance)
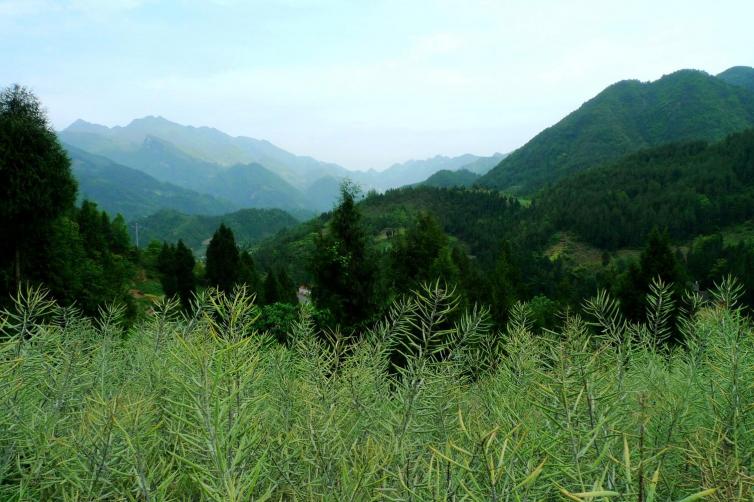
(421, 407)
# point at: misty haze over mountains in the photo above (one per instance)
(227, 172)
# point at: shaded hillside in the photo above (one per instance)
(624, 118)
(253, 185)
(162, 160)
(688, 188)
(323, 193)
(132, 193)
(248, 225)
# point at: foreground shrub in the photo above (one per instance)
(204, 407)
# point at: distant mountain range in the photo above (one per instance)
(626, 117)
(244, 172)
(416, 171)
(199, 143)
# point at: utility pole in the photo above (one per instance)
(137, 235)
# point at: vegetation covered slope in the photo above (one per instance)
(248, 225)
(689, 188)
(204, 407)
(132, 193)
(624, 118)
(253, 185)
(479, 218)
(447, 179)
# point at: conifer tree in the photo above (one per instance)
(183, 268)
(166, 267)
(36, 184)
(505, 284)
(657, 260)
(271, 288)
(343, 270)
(248, 274)
(421, 254)
(119, 239)
(286, 287)
(223, 262)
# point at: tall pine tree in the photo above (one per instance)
(223, 262)
(344, 271)
(248, 274)
(657, 260)
(185, 281)
(166, 267)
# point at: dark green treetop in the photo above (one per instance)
(222, 260)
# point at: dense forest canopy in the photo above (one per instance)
(688, 188)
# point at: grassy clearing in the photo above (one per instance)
(737, 233)
(567, 246)
(201, 407)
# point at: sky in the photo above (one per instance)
(364, 83)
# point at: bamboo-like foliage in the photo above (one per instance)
(200, 406)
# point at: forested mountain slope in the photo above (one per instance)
(689, 188)
(132, 193)
(624, 118)
(447, 179)
(248, 225)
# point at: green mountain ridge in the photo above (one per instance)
(624, 118)
(133, 193)
(255, 186)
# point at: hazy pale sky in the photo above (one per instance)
(362, 83)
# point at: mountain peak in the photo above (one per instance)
(151, 120)
(685, 105)
(81, 125)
